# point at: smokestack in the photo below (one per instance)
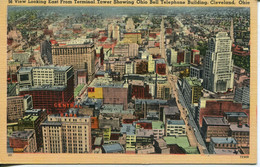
(61, 114)
(66, 115)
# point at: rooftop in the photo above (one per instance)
(180, 141)
(55, 68)
(193, 81)
(98, 141)
(43, 87)
(157, 125)
(22, 134)
(115, 109)
(223, 140)
(150, 101)
(111, 148)
(226, 151)
(128, 129)
(175, 122)
(144, 132)
(170, 110)
(236, 114)
(215, 120)
(29, 118)
(106, 82)
(243, 128)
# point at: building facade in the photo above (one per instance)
(67, 133)
(16, 106)
(218, 64)
(175, 128)
(80, 56)
(49, 86)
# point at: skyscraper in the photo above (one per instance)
(69, 133)
(218, 64)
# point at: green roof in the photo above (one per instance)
(77, 90)
(157, 125)
(193, 81)
(13, 63)
(30, 118)
(180, 141)
(12, 124)
(191, 150)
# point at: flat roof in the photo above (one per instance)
(22, 134)
(236, 128)
(128, 129)
(106, 82)
(223, 140)
(144, 132)
(181, 141)
(157, 125)
(29, 118)
(98, 141)
(110, 148)
(175, 122)
(150, 101)
(170, 110)
(44, 87)
(226, 151)
(215, 120)
(236, 114)
(54, 67)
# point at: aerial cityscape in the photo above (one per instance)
(135, 80)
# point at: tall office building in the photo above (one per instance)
(218, 64)
(80, 56)
(49, 86)
(67, 133)
(46, 52)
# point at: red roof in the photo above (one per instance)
(103, 39)
(153, 35)
(195, 50)
(145, 125)
(53, 42)
(129, 121)
(157, 44)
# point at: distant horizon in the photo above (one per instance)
(114, 11)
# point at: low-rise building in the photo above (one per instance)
(161, 146)
(220, 144)
(241, 134)
(129, 130)
(183, 145)
(144, 137)
(236, 117)
(113, 148)
(171, 113)
(16, 106)
(175, 128)
(23, 141)
(214, 127)
(158, 129)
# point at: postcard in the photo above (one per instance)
(128, 82)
